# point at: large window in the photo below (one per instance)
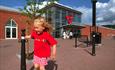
(64, 21)
(11, 30)
(57, 29)
(77, 18)
(57, 15)
(57, 22)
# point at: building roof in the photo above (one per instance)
(9, 9)
(101, 26)
(63, 6)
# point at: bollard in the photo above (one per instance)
(23, 55)
(93, 43)
(76, 35)
(75, 42)
(87, 41)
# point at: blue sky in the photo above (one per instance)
(79, 3)
(72, 3)
(105, 9)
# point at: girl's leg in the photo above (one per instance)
(42, 67)
(36, 67)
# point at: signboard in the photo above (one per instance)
(69, 19)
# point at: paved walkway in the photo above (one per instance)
(68, 57)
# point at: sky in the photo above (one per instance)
(105, 11)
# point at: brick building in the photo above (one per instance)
(105, 32)
(11, 23)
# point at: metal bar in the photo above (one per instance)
(93, 26)
(23, 55)
(75, 42)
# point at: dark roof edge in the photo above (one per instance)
(63, 6)
(5, 8)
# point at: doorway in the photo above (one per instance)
(11, 30)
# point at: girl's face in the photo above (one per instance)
(38, 27)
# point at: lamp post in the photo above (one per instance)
(93, 26)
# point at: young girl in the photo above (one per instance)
(42, 42)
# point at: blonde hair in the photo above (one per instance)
(46, 24)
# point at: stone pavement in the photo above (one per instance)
(68, 57)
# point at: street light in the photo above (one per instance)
(93, 26)
(94, 13)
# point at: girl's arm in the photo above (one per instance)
(53, 52)
(52, 43)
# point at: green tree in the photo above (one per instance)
(32, 8)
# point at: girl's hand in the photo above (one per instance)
(27, 37)
(53, 57)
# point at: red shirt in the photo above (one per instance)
(43, 43)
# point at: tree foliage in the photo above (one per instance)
(32, 8)
(110, 26)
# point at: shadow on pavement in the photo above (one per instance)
(51, 66)
(88, 51)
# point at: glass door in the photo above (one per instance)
(11, 30)
(8, 33)
(11, 33)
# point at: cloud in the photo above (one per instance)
(101, 5)
(100, 18)
(87, 14)
(106, 11)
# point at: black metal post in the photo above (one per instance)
(93, 26)
(93, 43)
(75, 42)
(94, 13)
(23, 55)
(76, 38)
(90, 33)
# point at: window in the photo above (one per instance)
(57, 29)
(57, 15)
(64, 21)
(11, 30)
(77, 18)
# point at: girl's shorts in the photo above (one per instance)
(40, 60)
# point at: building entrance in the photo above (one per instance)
(11, 30)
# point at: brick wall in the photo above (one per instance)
(5, 16)
(106, 32)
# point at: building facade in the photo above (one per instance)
(12, 21)
(58, 16)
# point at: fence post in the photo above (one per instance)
(23, 55)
